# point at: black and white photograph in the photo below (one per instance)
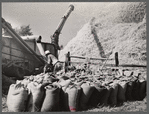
(74, 56)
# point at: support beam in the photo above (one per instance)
(116, 59)
(67, 61)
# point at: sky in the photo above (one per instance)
(44, 18)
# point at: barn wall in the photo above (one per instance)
(14, 51)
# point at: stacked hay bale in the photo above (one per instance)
(73, 91)
(118, 27)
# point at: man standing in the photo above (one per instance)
(53, 65)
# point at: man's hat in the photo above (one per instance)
(47, 52)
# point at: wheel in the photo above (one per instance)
(19, 73)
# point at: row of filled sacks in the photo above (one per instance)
(43, 97)
(113, 93)
(118, 92)
(28, 94)
(40, 78)
(68, 96)
(32, 98)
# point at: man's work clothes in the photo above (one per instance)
(53, 58)
(53, 65)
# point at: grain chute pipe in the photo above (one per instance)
(64, 18)
(55, 36)
(19, 39)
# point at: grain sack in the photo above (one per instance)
(63, 77)
(135, 90)
(104, 100)
(65, 83)
(64, 99)
(121, 91)
(142, 91)
(128, 73)
(49, 78)
(17, 98)
(24, 82)
(31, 78)
(112, 100)
(97, 94)
(51, 100)
(73, 98)
(38, 80)
(71, 74)
(87, 91)
(18, 81)
(64, 106)
(36, 97)
(79, 83)
(40, 75)
(96, 77)
(128, 93)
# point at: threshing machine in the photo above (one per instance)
(21, 57)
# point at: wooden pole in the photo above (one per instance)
(67, 61)
(116, 59)
(68, 55)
